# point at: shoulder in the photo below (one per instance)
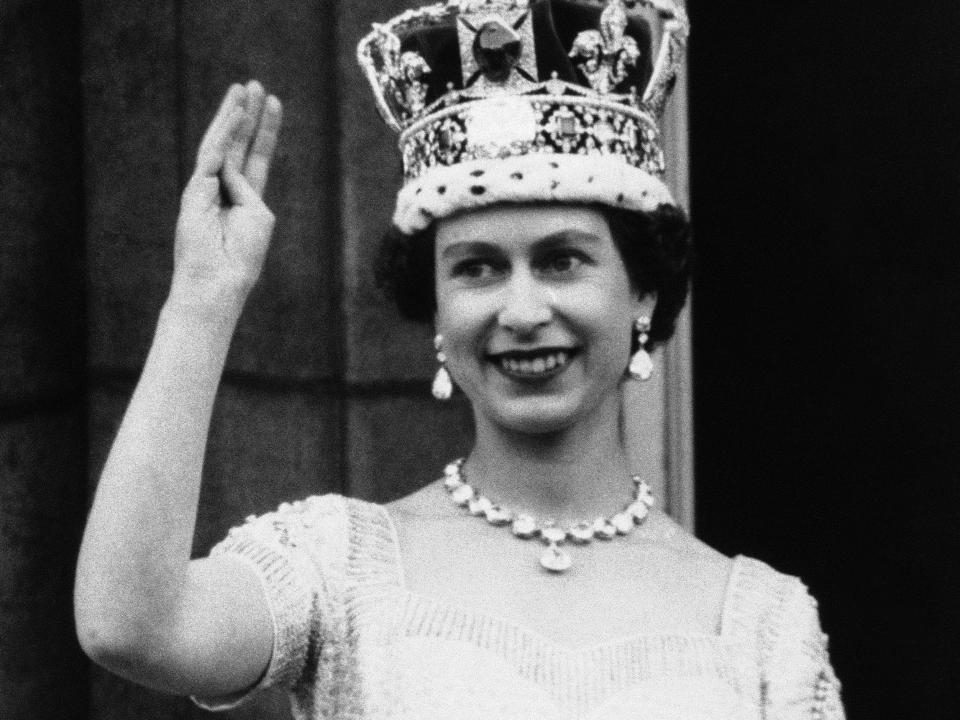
(309, 515)
(793, 651)
(687, 555)
(327, 546)
(774, 608)
(290, 523)
(689, 577)
(768, 592)
(751, 598)
(322, 531)
(696, 556)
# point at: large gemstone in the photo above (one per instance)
(604, 529)
(581, 533)
(604, 133)
(445, 139)
(553, 534)
(639, 510)
(462, 495)
(498, 123)
(497, 515)
(479, 505)
(641, 366)
(556, 560)
(524, 526)
(567, 123)
(623, 522)
(644, 494)
(497, 48)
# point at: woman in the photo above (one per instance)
(557, 256)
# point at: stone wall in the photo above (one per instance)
(42, 401)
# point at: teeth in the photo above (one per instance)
(537, 366)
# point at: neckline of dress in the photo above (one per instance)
(632, 639)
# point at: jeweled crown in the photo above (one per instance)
(484, 79)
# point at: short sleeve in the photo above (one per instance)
(275, 546)
(799, 681)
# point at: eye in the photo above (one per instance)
(562, 262)
(476, 270)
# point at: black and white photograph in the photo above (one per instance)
(479, 360)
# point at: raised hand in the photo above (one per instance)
(143, 609)
(224, 227)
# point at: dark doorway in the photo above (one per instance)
(825, 164)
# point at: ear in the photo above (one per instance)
(644, 305)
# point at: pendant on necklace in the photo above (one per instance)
(555, 559)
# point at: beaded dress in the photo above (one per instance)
(351, 642)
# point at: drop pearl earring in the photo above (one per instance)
(442, 387)
(641, 366)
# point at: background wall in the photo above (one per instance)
(42, 359)
(824, 194)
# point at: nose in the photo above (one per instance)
(527, 304)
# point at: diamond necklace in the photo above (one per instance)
(554, 558)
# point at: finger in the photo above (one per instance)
(239, 190)
(221, 125)
(214, 151)
(252, 107)
(202, 192)
(257, 167)
(234, 97)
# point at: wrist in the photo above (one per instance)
(206, 302)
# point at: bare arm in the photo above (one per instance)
(143, 609)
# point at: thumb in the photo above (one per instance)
(239, 189)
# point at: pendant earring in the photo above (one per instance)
(442, 387)
(641, 366)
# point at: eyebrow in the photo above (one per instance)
(469, 247)
(546, 242)
(566, 236)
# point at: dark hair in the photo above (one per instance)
(655, 247)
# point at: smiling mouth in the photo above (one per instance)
(533, 365)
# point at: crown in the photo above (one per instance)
(584, 82)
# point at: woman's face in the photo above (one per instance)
(536, 312)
